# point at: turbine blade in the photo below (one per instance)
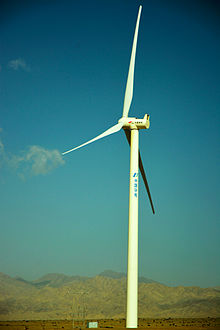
(109, 131)
(128, 135)
(130, 80)
(141, 167)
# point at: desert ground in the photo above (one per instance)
(169, 323)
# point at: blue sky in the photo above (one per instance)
(63, 71)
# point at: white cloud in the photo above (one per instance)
(2, 158)
(19, 64)
(1, 148)
(2, 151)
(37, 161)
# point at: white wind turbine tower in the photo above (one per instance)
(131, 128)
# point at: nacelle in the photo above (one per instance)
(132, 122)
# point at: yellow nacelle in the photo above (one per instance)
(132, 122)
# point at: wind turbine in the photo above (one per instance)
(131, 126)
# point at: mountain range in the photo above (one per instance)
(58, 296)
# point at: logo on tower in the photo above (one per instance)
(135, 185)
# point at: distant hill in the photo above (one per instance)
(112, 274)
(217, 288)
(53, 280)
(57, 280)
(57, 296)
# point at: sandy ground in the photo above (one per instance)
(165, 324)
